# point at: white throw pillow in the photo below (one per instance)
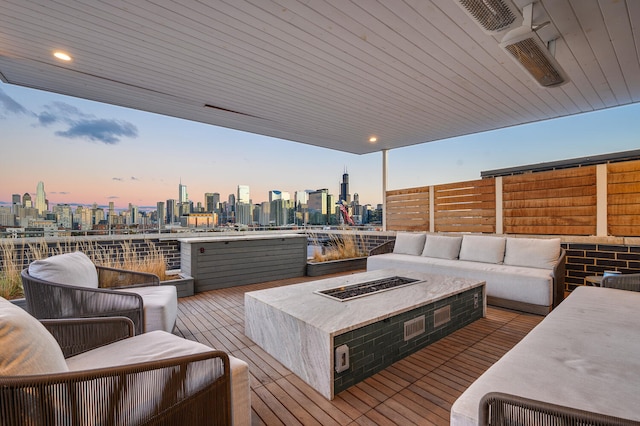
(442, 246)
(532, 252)
(70, 268)
(26, 347)
(482, 248)
(409, 243)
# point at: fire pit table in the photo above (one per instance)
(335, 332)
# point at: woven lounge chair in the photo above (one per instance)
(498, 409)
(622, 282)
(94, 371)
(71, 286)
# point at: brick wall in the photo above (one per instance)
(584, 259)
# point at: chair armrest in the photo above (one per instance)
(504, 409)
(118, 278)
(47, 300)
(77, 335)
(383, 248)
(559, 273)
(629, 282)
(193, 390)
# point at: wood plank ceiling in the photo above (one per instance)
(330, 73)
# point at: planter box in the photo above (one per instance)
(315, 269)
(183, 283)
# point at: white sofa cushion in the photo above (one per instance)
(487, 249)
(69, 268)
(160, 305)
(532, 252)
(409, 243)
(442, 246)
(158, 345)
(26, 347)
(583, 355)
(518, 283)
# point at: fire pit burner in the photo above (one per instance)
(349, 292)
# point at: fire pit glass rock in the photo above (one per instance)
(349, 292)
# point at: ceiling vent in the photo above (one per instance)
(493, 16)
(532, 54)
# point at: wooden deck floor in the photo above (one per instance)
(419, 389)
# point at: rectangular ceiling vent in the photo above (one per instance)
(532, 55)
(493, 16)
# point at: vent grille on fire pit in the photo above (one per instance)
(364, 289)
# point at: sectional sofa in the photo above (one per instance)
(525, 274)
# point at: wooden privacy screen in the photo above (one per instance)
(408, 209)
(465, 206)
(623, 198)
(556, 202)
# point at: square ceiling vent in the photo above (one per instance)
(493, 16)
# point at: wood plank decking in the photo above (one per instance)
(419, 390)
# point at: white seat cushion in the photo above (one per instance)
(409, 243)
(158, 345)
(160, 305)
(26, 347)
(69, 268)
(532, 252)
(482, 248)
(442, 246)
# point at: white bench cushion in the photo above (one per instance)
(486, 249)
(582, 355)
(69, 268)
(442, 246)
(26, 347)
(409, 243)
(160, 304)
(158, 345)
(532, 252)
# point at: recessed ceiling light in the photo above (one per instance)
(62, 56)
(373, 139)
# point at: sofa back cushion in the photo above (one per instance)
(26, 347)
(442, 246)
(532, 252)
(409, 243)
(486, 249)
(70, 268)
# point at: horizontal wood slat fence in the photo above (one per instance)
(602, 200)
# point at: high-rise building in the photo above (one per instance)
(319, 207)
(243, 194)
(161, 214)
(26, 200)
(183, 197)
(15, 202)
(344, 188)
(209, 202)
(172, 211)
(41, 199)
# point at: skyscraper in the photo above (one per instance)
(41, 199)
(183, 197)
(243, 195)
(344, 188)
(161, 214)
(26, 200)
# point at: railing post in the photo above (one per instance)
(499, 216)
(385, 157)
(602, 218)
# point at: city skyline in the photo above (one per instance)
(87, 152)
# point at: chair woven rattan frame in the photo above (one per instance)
(193, 389)
(504, 409)
(629, 282)
(48, 300)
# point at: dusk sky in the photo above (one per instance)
(88, 152)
